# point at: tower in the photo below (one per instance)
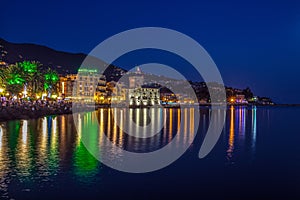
(136, 80)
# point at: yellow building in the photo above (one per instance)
(87, 85)
(65, 85)
(116, 92)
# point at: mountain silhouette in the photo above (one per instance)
(62, 62)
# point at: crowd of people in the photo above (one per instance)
(20, 109)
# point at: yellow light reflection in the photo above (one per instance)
(192, 115)
(79, 131)
(178, 120)
(44, 126)
(54, 135)
(42, 146)
(114, 137)
(185, 122)
(165, 124)
(24, 131)
(121, 127)
(23, 159)
(54, 153)
(153, 124)
(1, 135)
(145, 110)
(63, 143)
(137, 118)
(108, 123)
(231, 134)
(170, 124)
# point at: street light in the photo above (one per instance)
(1, 92)
(43, 96)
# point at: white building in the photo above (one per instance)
(144, 96)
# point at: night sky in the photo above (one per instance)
(253, 43)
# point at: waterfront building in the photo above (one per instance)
(168, 98)
(101, 93)
(140, 94)
(117, 92)
(88, 85)
(65, 85)
(240, 99)
(237, 99)
(144, 96)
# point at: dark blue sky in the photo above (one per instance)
(254, 43)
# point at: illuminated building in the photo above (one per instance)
(139, 94)
(136, 80)
(101, 94)
(65, 85)
(237, 99)
(144, 96)
(116, 92)
(240, 99)
(88, 84)
(168, 98)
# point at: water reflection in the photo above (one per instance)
(242, 136)
(136, 141)
(42, 147)
(24, 151)
(231, 134)
(85, 165)
(34, 152)
(253, 130)
(4, 162)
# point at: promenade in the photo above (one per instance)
(12, 110)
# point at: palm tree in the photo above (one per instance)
(2, 76)
(14, 79)
(51, 79)
(33, 75)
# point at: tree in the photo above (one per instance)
(14, 79)
(28, 76)
(33, 76)
(51, 79)
(2, 77)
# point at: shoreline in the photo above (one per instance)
(19, 113)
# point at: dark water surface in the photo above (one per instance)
(257, 155)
